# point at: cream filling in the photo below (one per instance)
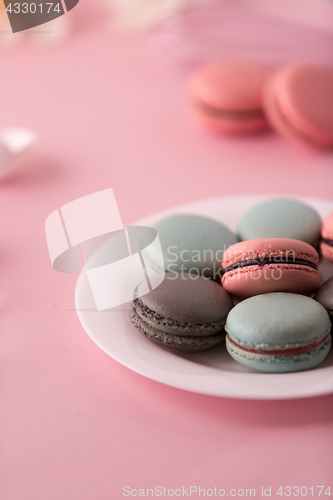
(239, 115)
(279, 347)
(270, 358)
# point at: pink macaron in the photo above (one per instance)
(326, 245)
(227, 96)
(298, 101)
(254, 267)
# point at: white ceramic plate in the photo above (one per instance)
(212, 371)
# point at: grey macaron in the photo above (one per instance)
(187, 312)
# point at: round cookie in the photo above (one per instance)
(278, 332)
(227, 95)
(267, 265)
(298, 101)
(326, 245)
(281, 218)
(324, 296)
(191, 243)
(186, 313)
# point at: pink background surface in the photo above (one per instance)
(74, 423)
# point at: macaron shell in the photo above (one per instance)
(298, 101)
(191, 241)
(306, 99)
(278, 319)
(274, 115)
(281, 218)
(272, 246)
(229, 85)
(191, 300)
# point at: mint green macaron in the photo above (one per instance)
(281, 218)
(192, 244)
(278, 332)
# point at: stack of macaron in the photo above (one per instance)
(188, 310)
(245, 97)
(186, 314)
(277, 252)
(270, 310)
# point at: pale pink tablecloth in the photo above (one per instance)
(75, 424)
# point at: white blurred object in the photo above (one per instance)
(15, 144)
(136, 14)
(272, 32)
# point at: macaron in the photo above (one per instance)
(281, 218)
(227, 95)
(191, 243)
(326, 246)
(298, 101)
(278, 332)
(267, 265)
(324, 296)
(186, 313)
